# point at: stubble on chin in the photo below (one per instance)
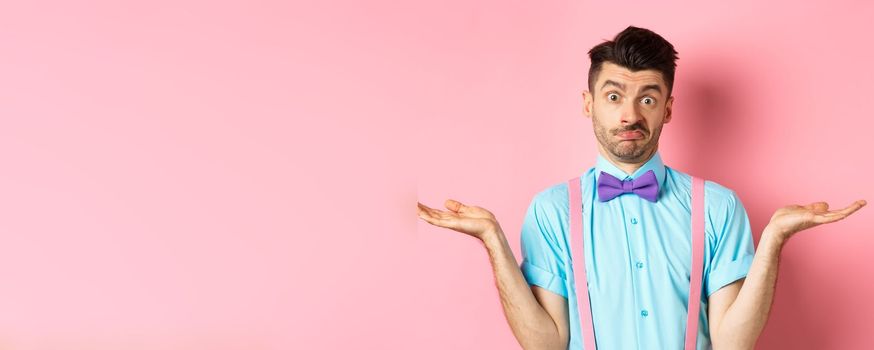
(627, 151)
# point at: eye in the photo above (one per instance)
(613, 96)
(648, 100)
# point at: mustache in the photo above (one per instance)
(632, 128)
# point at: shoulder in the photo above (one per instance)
(716, 195)
(722, 204)
(549, 208)
(552, 196)
(719, 196)
(543, 218)
(555, 196)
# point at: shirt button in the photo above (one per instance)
(644, 313)
(639, 265)
(634, 221)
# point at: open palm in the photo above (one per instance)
(795, 218)
(472, 220)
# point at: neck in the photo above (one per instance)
(628, 166)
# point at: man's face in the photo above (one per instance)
(628, 110)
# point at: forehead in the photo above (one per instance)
(631, 80)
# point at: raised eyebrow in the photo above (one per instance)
(621, 86)
(655, 87)
(613, 83)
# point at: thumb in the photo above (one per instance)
(817, 206)
(455, 206)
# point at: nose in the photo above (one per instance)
(630, 114)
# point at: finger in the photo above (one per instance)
(851, 208)
(827, 218)
(838, 214)
(435, 213)
(424, 210)
(434, 221)
(433, 216)
(421, 206)
(443, 214)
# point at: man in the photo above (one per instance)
(639, 245)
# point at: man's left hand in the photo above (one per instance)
(792, 219)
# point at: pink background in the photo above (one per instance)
(242, 175)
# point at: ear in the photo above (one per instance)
(668, 109)
(588, 100)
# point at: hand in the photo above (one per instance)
(474, 221)
(792, 219)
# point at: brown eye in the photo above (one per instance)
(613, 97)
(648, 100)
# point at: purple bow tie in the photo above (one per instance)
(645, 186)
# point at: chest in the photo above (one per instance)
(632, 243)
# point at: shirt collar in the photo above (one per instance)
(654, 163)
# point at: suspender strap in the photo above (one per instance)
(579, 263)
(697, 261)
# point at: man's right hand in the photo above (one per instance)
(537, 317)
(472, 220)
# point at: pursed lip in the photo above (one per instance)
(630, 135)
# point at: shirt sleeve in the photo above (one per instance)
(542, 262)
(732, 248)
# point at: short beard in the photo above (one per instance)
(628, 151)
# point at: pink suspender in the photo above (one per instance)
(579, 262)
(697, 261)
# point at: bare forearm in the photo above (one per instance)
(746, 317)
(530, 323)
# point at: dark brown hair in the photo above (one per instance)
(635, 49)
